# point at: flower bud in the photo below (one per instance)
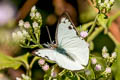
(17, 78)
(32, 14)
(114, 55)
(98, 67)
(45, 67)
(108, 70)
(84, 34)
(35, 24)
(104, 50)
(19, 34)
(87, 72)
(27, 25)
(37, 14)
(53, 74)
(105, 55)
(93, 60)
(21, 23)
(33, 8)
(25, 33)
(41, 62)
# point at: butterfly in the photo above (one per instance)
(70, 51)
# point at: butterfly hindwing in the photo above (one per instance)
(61, 60)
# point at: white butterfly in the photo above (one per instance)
(71, 52)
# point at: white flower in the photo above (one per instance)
(32, 14)
(108, 70)
(25, 33)
(98, 67)
(104, 50)
(35, 24)
(114, 55)
(21, 23)
(84, 34)
(33, 8)
(37, 14)
(19, 34)
(105, 55)
(93, 60)
(17, 78)
(27, 25)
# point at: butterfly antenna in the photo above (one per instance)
(49, 34)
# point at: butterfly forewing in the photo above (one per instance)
(67, 38)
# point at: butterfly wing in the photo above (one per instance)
(67, 38)
(60, 59)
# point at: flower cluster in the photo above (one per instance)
(23, 77)
(44, 65)
(36, 16)
(29, 33)
(107, 57)
(104, 6)
(105, 71)
(97, 66)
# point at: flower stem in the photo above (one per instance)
(33, 61)
(95, 33)
(62, 72)
(113, 39)
(93, 26)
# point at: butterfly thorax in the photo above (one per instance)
(61, 50)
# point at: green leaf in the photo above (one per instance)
(8, 62)
(23, 59)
